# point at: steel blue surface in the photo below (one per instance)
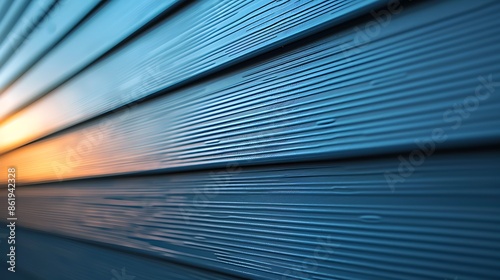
(40, 252)
(253, 139)
(321, 220)
(59, 22)
(191, 47)
(318, 101)
(113, 23)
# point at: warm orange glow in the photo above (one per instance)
(15, 130)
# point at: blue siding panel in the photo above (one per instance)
(286, 139)
(321, 220)
(314, 102)
(176, 52)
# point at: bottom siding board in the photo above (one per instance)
(322, 220)
(45, 256)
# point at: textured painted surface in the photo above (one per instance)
(13, 11)
(61, 20)
(317, 220)
(173, 53)
(119, 19)
(310, 103)
(279, 140)
(41, 251)
(36, 12)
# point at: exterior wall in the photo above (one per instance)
(252, 139)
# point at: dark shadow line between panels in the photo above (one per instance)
(253, 58)
(27, 34)
(149, 25)
(6, 8)
(10, 25)
(36, 59)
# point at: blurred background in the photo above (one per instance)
(292, 139)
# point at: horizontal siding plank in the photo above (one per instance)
(309, 221)
(315, 102)
(27, 23)
(221, 33)
(113, 23)
(59, 22)
(40, 251)
(12, 15)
